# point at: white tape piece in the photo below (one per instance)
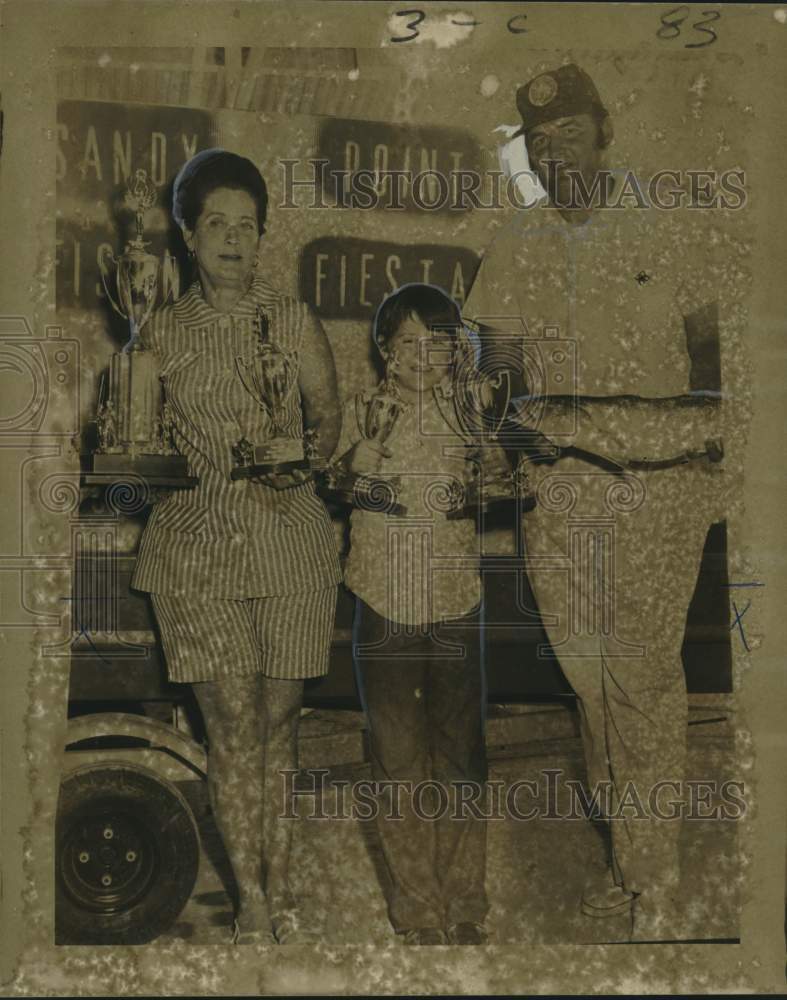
(489, 86)
(514, 162)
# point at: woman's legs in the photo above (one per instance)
(293, 636)
(280, 708)
(230, 709)
(252, 725)
(251, 720)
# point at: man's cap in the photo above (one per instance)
(558, 93)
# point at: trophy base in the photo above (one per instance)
(275, 468)
(141, 465)
(477, 504)
(368, 493)
(166, 471)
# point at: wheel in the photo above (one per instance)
(127, 855)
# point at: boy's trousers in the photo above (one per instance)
(424, 702)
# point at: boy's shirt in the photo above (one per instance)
(418, 567)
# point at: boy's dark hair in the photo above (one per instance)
(433, 307)
(210, 170)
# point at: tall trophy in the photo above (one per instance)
(377, 413)
(133, 422)
(475, 404)
(271, 377)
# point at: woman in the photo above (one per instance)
(242, 574)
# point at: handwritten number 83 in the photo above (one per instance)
(671, 22)
(670, 25)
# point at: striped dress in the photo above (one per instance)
(230, 539)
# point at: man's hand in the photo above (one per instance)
(366, 457)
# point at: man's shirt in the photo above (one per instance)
(605, 305)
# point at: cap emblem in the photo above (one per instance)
(542, 90)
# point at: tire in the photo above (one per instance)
(127, 855)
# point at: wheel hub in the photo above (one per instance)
(108, 860)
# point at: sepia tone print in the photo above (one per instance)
(391, 530)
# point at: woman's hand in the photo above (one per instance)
(284, 480)
(366, 457)
(281, 449)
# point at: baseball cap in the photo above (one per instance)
(558, 93)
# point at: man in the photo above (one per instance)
(619, 319)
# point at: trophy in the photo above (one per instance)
(377, 414)
(490, 482)
(475, 404)
(270, 377)
(134, 419)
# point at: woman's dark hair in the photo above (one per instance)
(433, 307)
(206, 172)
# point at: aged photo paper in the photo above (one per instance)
(391, 446)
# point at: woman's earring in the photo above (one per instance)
(191, 254)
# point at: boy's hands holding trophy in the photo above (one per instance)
(356, 478)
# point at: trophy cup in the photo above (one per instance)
(377, 414)
(134, 421)
(475, 404)
(270, 377)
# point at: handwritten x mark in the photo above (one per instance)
(738, 616)
(85, 632)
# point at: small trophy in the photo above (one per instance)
(475, 404)
(377, 414)
(490, 484)
(270, 377)
(133, 422)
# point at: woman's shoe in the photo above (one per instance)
(467, 932)
(240, 937)
(602, 896)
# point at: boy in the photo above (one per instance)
(417, 630)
